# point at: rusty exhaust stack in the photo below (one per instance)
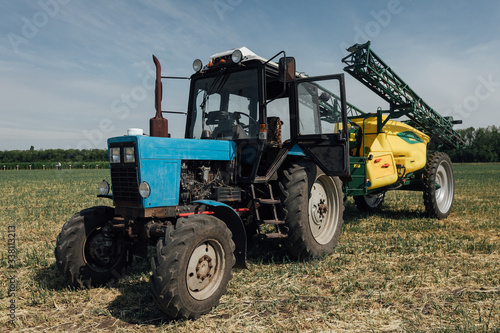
(158, 126)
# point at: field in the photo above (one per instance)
(393, 271)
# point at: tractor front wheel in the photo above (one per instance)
(439, 186)
(87, 252)
(192, 266)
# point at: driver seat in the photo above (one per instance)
(274, 130)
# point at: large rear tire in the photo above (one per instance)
(439, 186)
(313, 207)
(87, 252)
(192, 266)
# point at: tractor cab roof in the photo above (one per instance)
(234, 56)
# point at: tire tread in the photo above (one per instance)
(166, 264)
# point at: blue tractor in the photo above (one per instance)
(265, 153)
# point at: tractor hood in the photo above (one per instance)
(156, 161)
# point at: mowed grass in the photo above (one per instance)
(396, 270)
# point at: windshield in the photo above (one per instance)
(226, 106)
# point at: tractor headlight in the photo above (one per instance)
(114, 155)
(236, 56)
(197, 65)
(104, 188)
(144, 190)
(129, 154)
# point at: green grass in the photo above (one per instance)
(396, 270)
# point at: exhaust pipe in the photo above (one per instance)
(158, 126)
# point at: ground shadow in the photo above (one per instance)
(135, 304)
(352, 214)
(50, 278)
(263, 251)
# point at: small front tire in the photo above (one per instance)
(89, 254)
(192, 266)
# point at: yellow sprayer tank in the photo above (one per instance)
(397, 151)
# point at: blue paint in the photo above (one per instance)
(180, 149)
(296, 151)
(163, 178)
(159, 163)
(186, 149)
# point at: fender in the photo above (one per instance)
(233, 221)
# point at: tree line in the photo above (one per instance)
(49, 158)
(481, 145)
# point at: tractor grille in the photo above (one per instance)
(125, 185)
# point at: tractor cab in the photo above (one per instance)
(268, 109)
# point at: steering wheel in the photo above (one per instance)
(216, 117)
(236, 115)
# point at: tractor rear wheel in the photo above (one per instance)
(192, 266)
(313, 208)
(87, 252)
(369, 202)
(439, 185)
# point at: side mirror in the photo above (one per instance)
(324, 97)
(286, 69)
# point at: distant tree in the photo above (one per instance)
(52, 155)
(481, 145)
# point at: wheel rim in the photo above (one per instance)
(444, 178)
(205, 269)
(323, 209)
(101, 252)
(374, 200)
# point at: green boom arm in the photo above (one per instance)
(365, 66)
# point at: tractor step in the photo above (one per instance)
(274, 222)
(270, 212)
(275, 235)
(268, 201)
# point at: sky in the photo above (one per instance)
(74, 73)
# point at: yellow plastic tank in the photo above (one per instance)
(397, 151)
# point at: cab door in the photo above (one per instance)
(319, 122)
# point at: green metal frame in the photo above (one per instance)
(365, 66)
